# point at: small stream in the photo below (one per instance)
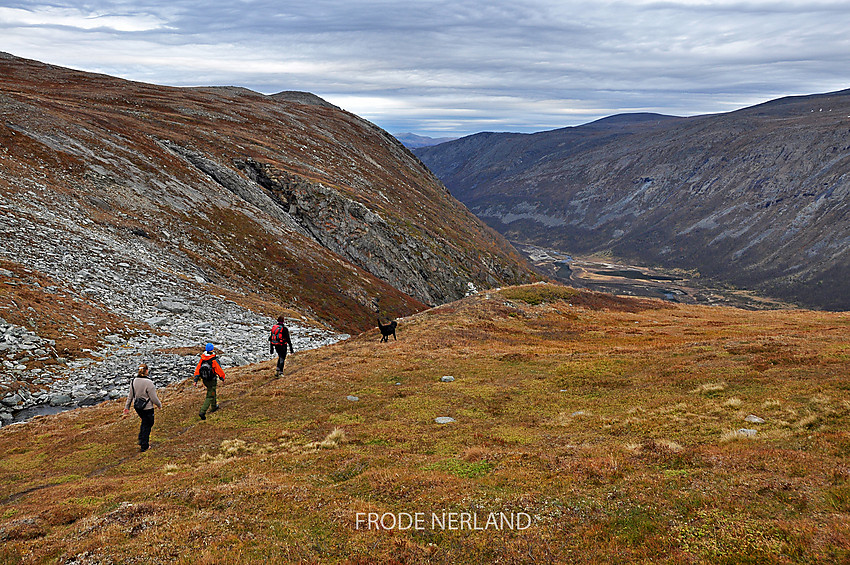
(40, 410)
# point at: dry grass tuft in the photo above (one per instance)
(170, 468)
(477, 453)
(233, 447)
(657, 446)
(331, 441)
(807, 422)
(739, 434)
(718, 386)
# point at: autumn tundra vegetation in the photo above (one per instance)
(583, 428)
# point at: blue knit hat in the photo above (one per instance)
(210, 347)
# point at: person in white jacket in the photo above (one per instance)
(143, 389)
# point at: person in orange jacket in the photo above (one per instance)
(208, 371)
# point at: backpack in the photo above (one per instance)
(139, 403)
(205, 371)
(277, 337)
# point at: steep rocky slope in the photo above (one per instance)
(757, 198)
(118, 199)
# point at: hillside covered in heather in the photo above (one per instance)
(626, 430)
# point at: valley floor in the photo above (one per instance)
(585, 428)
(605, 274)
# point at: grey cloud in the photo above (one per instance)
(456, 67)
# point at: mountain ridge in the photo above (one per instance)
(754, 198)
(138, 222)
(183, 122)
(412, 140)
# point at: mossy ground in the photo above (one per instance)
(611, 422)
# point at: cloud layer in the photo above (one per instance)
(439, 67)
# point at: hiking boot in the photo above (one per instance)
(213, 409)
(202, 416)
(278, 373)
(143, 448)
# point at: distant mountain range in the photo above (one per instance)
(758, 198)
(413, 141)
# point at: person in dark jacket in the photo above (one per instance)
(278, 340)
(208, 371)
(143, 389)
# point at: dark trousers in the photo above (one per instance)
(281, 356)
(145, 427)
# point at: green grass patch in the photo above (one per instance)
(345, 418)
(62, 479)
(539, 294)
(87, 456)
(636, 524)
(463, 469)
(838, 498)
(87, 501)
(519, 435)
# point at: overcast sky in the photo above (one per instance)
(455, 67)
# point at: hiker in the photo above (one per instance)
(278, 340)
(207, 371)
(143, 398)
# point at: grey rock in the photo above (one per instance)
(747, 432)
(448, 379)
(753, 419)
(444, 420)
(352, 398)
(12, 400)
(174, 307)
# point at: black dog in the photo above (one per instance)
(388, 330)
